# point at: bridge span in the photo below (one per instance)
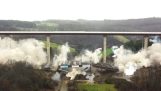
(104, 34)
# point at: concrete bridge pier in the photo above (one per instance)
(10, 36)
(104, 47)
(146, 40)
(48, 48)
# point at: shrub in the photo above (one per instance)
(121, 84)
(21, 76)
(148, 79)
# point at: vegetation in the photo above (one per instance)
(121, 38)
(46, 26)
(148, 79)
(144, 79)
(135, 46)
(121, 84)
(96, 87)
(22, 76)
(55, 46)
(109, 52)
(18, 24)
(137, 25)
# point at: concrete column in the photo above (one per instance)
(146, 40)
(104, 48)
(48, 48)
(11, 36)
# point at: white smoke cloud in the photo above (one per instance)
(74, 72)
(29, 50)
(85, 57)
(128, 62)
(62, 57)
(155, 39)
(90, 78)
(89, 56)
(56, 76)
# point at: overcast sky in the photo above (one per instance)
(78, 9)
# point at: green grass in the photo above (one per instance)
(55, 46)
(95, 87)
(121, 38)
(108, 52)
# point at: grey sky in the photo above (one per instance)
(78, 9)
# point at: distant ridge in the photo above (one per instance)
(84, 41)
(130, 25)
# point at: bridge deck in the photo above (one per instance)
(74, 33)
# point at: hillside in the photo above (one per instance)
(139, 25)
(85, 41)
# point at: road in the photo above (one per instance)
(64, 85)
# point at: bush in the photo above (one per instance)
(121, 84)
(22, 76)
(135, 46)
(144, 79)
(148, 79)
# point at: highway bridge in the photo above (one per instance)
(104, 34)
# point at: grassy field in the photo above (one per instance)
(121, 38)
(96, 87)
(55, 46)
(108, 52)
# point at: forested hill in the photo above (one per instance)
(84, 41)
(138, 25)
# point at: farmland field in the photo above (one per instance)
(96, 87)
